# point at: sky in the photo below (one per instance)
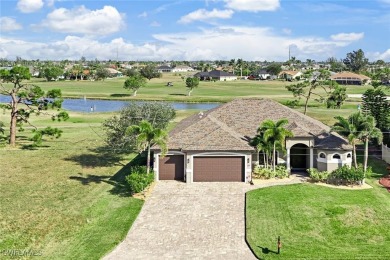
(164, 30)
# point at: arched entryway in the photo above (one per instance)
(299, 157)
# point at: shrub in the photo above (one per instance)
(347, 175)
(138, 179)
(281, 172)
(318, 176)
(267, 173)
(292, 103)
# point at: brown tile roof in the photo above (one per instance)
(229, 126)
(349, 75)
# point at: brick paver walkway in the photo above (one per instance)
(191, 221)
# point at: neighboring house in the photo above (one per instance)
(114, 73)
(164, 68)
(219, 75)
(214, 145)
(289, 74)
(262, 74)
(182, 68)
(349, 78)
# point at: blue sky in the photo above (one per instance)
(193, 29)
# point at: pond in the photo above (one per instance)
(96, 105)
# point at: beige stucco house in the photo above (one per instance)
(213, 145)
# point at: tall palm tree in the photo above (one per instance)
(261, 145)
(348, 128)
(146, 136)
(275, 133)
(367, 130)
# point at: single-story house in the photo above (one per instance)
(219, 75)
(164, 68)
(289, 74)
(114, 73)
(349, 78)
(182, 68)
(214, 145)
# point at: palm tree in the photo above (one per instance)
(276, 134)
(146, 136)
(261, 145)
(347, 128)
(367, 131)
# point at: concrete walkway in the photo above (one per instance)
(191, 221)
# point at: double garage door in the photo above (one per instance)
(205, 168)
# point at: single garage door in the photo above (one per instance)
(171, 167)
(217, 168)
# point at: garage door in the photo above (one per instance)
(171, 167)
(216, 169)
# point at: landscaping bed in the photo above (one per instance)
(385, 182)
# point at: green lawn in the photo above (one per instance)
(65, 199)
(317, 222)
(156, 89)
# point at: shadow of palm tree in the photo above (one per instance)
(117, 181)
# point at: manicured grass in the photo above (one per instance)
(317, 222)
(156, 89)
(65, 199)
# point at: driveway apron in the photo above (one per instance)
(189, 221)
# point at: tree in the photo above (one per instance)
(275, 133)
(102, 73)
(337, 97)
(131, 72)
(52, 72)
(191, 83)
(147, 136)
(134, 83)
(261, 145)
(158, 114)
(32, 98)
(375, 103)
(150, 72)
(335, 65)
(274, 68)
(349, 128)
(356, 61)
(367, 131)
(307, 89)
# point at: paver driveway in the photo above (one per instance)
(189, 221)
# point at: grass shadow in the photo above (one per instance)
(266, 250)
(117, 181)
(32, 147)
(120, 95)
(175, 94)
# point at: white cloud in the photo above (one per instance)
(50, 3)
(204, 15)
(348, 37)
(143, 15)
(8, 24)
(287, 31)
(253, 5)
(29, 6)
(216, 43)
(373, 56)
(81, 20)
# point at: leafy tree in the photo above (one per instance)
(335, 65)
(32, 98)
(131, 72)
(375, 103)
(337, 97)
(1, 127)
(150, 72)
(52, 72)
(274, 68)
(356, 61)
(308, 89)
(146, 136)
(275, 133)
(134, 83)
(348, 127)
(158, 114)
(102, 73)
(191, 83)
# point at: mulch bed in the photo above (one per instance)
(385, 181)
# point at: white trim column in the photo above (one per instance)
(189, 168)
(156, 166)
(311, 157)
(288, 159)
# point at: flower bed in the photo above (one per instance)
(385, 182)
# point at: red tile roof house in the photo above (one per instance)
(212, 146)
